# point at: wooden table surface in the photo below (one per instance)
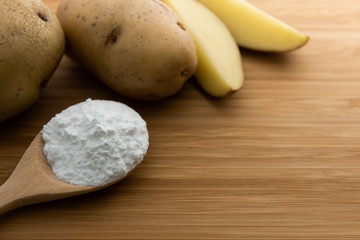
(280, 159)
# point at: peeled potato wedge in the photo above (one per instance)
(219, 71)
(254, 28)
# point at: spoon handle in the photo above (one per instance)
(26, 185)
(33, 181)
(7, 200)
(21, 184)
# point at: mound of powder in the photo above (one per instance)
(95, 142)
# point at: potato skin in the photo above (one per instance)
(32, 44)
(137, 47)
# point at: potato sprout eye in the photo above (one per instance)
(185, 73)
(43, 84)
(181, 26)
(42, 17)
(113, 35)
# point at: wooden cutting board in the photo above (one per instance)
(280, 159)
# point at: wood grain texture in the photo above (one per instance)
(280, 159)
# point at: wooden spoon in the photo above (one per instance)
(33, 181)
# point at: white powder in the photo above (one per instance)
(95, 142)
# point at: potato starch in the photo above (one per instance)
(95, 142)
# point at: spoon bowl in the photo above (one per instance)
(33, 181)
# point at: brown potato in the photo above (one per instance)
(32, 44)
(137, 47)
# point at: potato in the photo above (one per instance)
(256, 29)
(219, 71)
(137, 47)
(31, 45)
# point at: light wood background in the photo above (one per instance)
(280, 159)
